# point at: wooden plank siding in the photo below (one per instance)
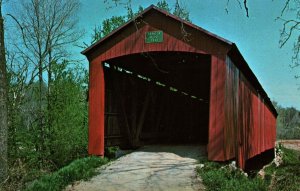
(256, 126)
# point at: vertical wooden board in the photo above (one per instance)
(255, 114)
(186, 47)
(180, 45)
(241, 126)
(108, 53)
(221, 104)
(139, 41)
(217, 117)
(261, 124)
(271, 130)
(274, 129)
(267, 132)
(114, 51)
(130, 43)
(166, 42)
(230, 109)
(240, 121)
(127, 44)
(122, 45)
(117, 48)
(96, 109)
(171, 44)
(262, 136)
(212, 108)
(260, 116)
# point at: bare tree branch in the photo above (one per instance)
(240, 5)
(285, 7)
(290, 28)
(246, 8)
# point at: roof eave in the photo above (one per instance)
(87, 50)
(235, 51)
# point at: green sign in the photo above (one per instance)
(154, 37)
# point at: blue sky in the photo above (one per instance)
(257, 37)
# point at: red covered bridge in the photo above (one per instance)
(159, 79)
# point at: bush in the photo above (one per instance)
(77, 170)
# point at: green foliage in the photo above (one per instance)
(36, 150)
(108, 25)
(290, 157)
(286, 177)
(110, 152)
(223, 178)
(68, 112)
(163, 5)
(288, 122)
(181, 12)
(77, 170)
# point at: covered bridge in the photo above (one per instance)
(159, 79)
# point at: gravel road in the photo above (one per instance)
(156, 167)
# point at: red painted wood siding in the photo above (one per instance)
(256, 127)
(216, 113)
(96, 108)
(132, 44)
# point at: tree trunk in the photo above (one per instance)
(49, 104)
(3, 104)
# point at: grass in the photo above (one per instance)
(285, 177)
(224, 178)
(77, 170)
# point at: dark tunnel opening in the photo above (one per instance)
(157, 98)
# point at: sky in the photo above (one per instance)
(256, 36)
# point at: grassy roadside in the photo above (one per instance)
(217, 177)
(285, 177)
(80, 169)
(77, 170)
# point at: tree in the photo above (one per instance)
(290, 16)
(181, 12)
(288, 122)
(164, 5)
(3, 103)
(47, 28)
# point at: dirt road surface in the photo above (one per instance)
(150, 168)
(291, 144)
